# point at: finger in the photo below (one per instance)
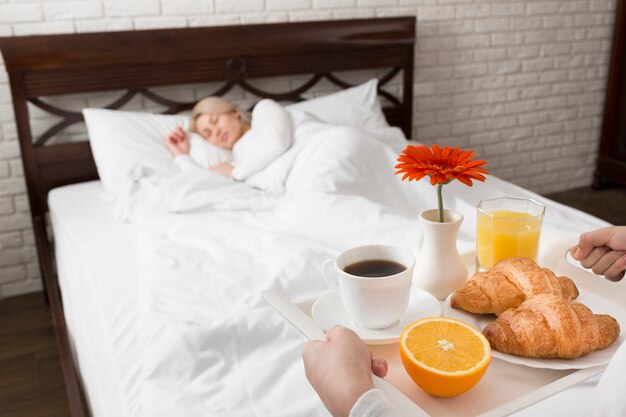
(578, 253)
(574, 252)
(380, 367)
(606, 261)
(333, 331)
(616, 271)
(593, 257)
(590, 240)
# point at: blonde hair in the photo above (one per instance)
(214, 104)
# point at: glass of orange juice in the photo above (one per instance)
(507, 227)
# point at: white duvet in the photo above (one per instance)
(215, 348)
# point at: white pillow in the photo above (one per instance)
(356, 107)
(127, 144)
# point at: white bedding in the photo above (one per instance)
(208, 344)
(98, 274)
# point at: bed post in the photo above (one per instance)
(29, 162)
(52, 293)
(407, 94)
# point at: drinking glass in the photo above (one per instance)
(507, 227)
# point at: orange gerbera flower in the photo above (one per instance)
(442, 165)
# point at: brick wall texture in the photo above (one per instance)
(521, 82)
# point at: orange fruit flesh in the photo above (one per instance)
(443, 356)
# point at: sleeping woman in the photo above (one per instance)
(255, 139)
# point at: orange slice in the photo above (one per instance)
(445, 357)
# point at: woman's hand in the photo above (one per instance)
(604, 251)
(224, 168)
(178, 142)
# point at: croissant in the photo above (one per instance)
(507, 284)
(547, 326)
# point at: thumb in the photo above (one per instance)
(591, 240)
(379, 367)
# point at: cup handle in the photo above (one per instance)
(327, 276)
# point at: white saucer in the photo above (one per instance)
(328, 310)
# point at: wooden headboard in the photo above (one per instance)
(135, 61)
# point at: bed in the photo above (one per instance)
(162, 314)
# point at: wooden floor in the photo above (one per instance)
(609, 203)
(31, 383)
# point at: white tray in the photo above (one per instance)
(506, 387)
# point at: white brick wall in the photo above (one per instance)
(521, 82)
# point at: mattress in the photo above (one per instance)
(98, 272)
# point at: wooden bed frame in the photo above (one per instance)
(135, 61)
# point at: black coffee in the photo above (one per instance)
(373, 268)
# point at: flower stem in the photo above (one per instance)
(440, 202)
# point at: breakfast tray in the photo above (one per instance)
(506, 387)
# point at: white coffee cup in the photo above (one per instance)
(373, 302)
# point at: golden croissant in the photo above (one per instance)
(547, 326)
(507, 284)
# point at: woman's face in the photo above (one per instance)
(221, 129)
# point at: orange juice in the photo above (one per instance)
(502, 234)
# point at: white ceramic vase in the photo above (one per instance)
(439, 268)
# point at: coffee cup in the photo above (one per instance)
(374, 283)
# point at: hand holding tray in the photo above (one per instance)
(310, 329)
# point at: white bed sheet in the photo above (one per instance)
(98, 274)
